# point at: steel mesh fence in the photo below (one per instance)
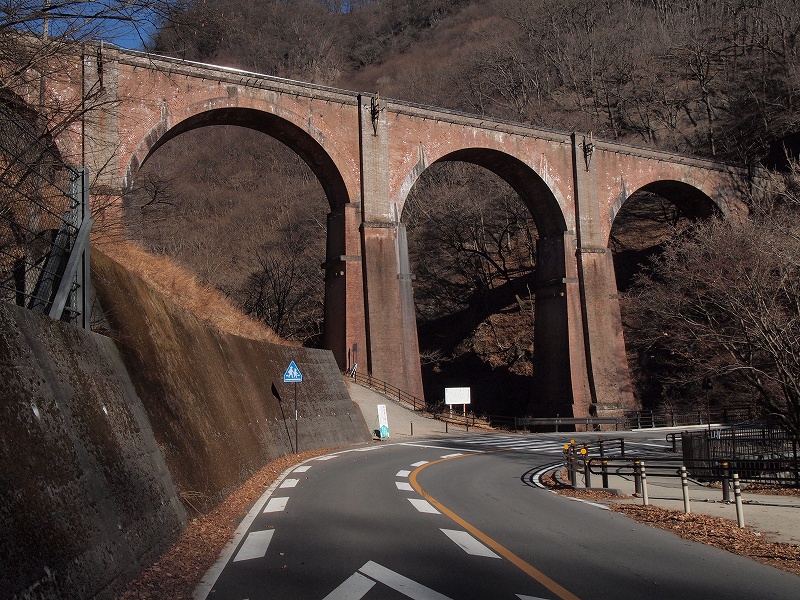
(43, 206)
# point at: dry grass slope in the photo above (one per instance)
(175, 282)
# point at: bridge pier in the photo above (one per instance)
(391, 328)
(560, 385)
(605, 357)
(345, 334)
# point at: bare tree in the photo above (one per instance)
(721, 306)
(286, 293)
(483, 239)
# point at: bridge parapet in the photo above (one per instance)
(187, 68)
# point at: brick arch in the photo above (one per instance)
(543, 202)
(309, 147)
(692, 201)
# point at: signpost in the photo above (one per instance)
(280, 405)
(293, 375)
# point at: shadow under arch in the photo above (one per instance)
(690, 200)
(637, 211)
(551, 388)
(275, 126)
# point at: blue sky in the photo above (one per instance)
(123, 26)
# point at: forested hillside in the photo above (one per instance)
(718, 79)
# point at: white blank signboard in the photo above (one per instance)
(456, 395)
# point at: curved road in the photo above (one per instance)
(461, 519)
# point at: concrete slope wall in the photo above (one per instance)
(101, 437)
(208, 394)
(86, 499)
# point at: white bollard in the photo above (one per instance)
(737, 494)
(685, 486)
(645, 499)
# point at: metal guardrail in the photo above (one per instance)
(647, 419)
(416, 404)
(758, 453)
(631, 420)
(588, 422)
(608, 457)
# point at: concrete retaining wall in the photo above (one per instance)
(102, 437)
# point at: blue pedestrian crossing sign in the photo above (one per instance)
(293, 374)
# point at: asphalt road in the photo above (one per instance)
(461, 519)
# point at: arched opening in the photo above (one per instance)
(241, 197)
(282, 130)
(648, 218)
(475, 220)
(648, 221)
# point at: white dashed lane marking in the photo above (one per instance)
(276, 505)
(468, 543)
(404, 485)
(289, 483)
(423, 506)
(255, 545)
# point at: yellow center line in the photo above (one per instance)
(531, 571)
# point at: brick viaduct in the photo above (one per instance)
(367, 153)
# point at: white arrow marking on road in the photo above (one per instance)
(255, 545)
(354, 587)
(468, 543)
(423, 506)
(276, 505)
(289, 483)
(357, 585)
(401, 584)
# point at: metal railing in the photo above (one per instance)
(647, 419)
(758, 453)
(609, 457)
(387, 389)
(589, 423)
